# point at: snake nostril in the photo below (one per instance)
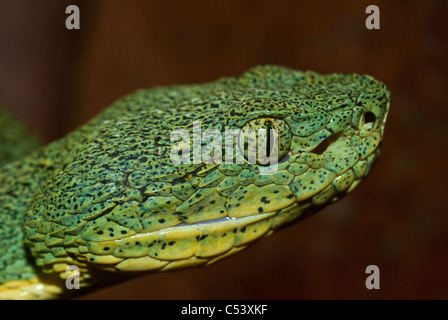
(368, 120)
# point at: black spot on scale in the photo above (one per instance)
(152, 243)
(161, 220)
(265, 200)
(260, 209)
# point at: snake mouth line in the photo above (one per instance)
(180, 246)
(223, 219)
(227, 220)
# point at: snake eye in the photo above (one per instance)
(264, 140)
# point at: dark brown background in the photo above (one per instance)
(55, 79)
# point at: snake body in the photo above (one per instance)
(108, 200)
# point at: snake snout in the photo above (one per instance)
(371, 111)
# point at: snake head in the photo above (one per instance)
(118, 202)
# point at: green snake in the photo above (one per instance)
(108, 201)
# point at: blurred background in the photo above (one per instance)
(55, 79)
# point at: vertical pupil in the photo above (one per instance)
(268, 140)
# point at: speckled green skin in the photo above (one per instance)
(85, 198)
